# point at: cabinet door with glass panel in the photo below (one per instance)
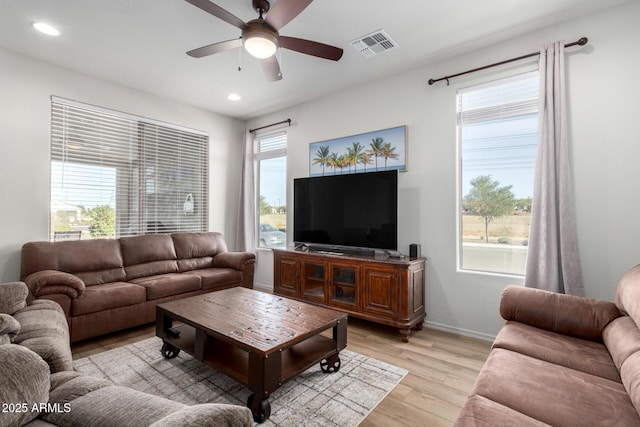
(314, 280)
(342, 289)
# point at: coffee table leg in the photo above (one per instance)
(261, 408)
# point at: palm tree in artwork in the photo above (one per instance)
(388, 153)
(342, 162)
(365, 159)
(333, 161)
(353, 154)
(322, 157)
(377, 144)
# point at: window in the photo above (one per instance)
(115, 174)
(497, 133)
(271, 189)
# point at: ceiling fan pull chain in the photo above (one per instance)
(240, 59)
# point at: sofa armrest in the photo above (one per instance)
(13, 297)
(48, 282)
(236, 260)
(564, 314)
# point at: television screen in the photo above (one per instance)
(356, 210)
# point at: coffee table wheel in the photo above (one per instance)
(330, 365)
(169, 351)
(261, 411)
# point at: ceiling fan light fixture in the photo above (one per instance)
(260, 45)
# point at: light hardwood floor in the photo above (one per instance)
(442, 369)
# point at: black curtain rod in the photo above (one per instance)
(580, 42)
(272, 124)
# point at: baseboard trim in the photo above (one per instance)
(460, 331)
(262, 287)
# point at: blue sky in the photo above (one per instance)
(504, 149)
(91, 186)
(273, 180)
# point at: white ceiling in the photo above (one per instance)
(142, 43)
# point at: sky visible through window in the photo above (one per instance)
(99, 184)
(504, 149)
(273, 180)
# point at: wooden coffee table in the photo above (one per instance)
(260, 339)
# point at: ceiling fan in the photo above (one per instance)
(260, 36)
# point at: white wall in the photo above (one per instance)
(603, 83)
(26, 86)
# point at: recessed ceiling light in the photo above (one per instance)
(45, 28)
(234, 97)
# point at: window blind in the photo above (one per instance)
(498, 126)
(270, 145)
(500, 99)
(114, 174)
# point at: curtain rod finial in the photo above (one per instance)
(431, 82)
(583, 41)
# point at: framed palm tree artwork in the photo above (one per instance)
(380, 150)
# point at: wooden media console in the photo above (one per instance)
(376, 288)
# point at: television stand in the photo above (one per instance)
(380, 289)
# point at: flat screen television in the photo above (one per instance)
(352, 210)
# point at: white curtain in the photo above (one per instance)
(246, 230)
(553, 261)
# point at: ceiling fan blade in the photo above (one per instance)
(312, 48)
(271, 68)
(215, 48)
(218, 12)
(284, 11)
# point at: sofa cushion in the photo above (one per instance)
(148, 255)
(553, 394)
(218, 414)
(196, 245)
(9, 328)
(194, 263)
(584, 355)
(24, 381)
(147, 248)
(114, 406)
(69, 385)
(630, 373)
(106, 296)
(196, 250)
(482, 412)
(101, 258)
(215, 277)
(44, 330)
(14, 297)
(165, 285)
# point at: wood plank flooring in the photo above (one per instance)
(442, 369)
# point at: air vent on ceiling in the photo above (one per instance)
(374, 43)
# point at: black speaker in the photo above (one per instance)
(414, 250)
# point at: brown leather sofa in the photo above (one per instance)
(106, 285)
(562, 360)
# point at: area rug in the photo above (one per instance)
(343, 398)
